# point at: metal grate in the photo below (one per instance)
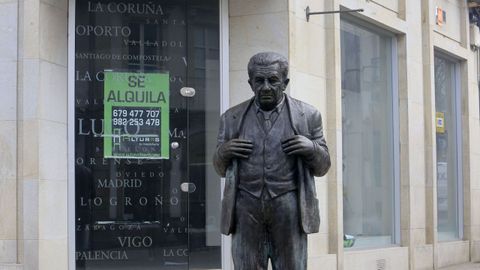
(381, 264)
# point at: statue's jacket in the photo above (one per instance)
(306, 121)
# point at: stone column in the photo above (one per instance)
(42, 123)
(412, 140)
(8, 133)
(313, 56)
(334, 131)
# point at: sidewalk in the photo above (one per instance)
(467, 266)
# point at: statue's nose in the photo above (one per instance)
(265, 86)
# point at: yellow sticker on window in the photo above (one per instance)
(440, 122)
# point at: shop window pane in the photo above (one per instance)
(146, 193)
(447, 150)
(368, 136)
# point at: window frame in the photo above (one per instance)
(396, 211)
(226, 257)
(457, 76)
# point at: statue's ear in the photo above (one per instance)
(286, 82)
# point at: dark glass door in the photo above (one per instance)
(153, 202)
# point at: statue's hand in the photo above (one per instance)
(299, 145)
(235, 148)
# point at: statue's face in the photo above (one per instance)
(268, 84)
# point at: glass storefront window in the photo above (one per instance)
(369, 136)
(448, 157)
(147, 103)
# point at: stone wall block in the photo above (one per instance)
(317, 244)
(327, 262)
(8, 251)
(52, 151)
(8, 209)
(53, 92)
(310, 48)
(387, 258)
(423, 257)
(322, 196)
(475, 204)
(254, 7)
(31, 29)
(8, 86)
(8, 30)
(417, 169)
(52, 213)
(30, 146)
(30, 209)
(451, 253)
(30, 88)
(475, 253)
(53, 34)
(11, 267)
(475, 172)
(415, 76)
(474, 128)
(52, 255)
(256, 33)
(418, 208)
(239, 88)
(60, 4)
(8, 150)
(406, 201)
(310, 89)
(31, 253)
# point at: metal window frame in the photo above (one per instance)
(459, 134)
(227, 260)
(224, 104)
(71, 135)
(396, 213)
(396, 143)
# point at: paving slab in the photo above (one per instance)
(467, 266)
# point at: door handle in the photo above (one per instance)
(188, 187)
(187, 91)
(174, 145)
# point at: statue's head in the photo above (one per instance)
(268, 77)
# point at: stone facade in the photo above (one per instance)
(33, 122)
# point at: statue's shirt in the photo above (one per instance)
(268, 166)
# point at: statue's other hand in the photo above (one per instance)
(298, 145)
(235, 148)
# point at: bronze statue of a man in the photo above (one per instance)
(269, 149)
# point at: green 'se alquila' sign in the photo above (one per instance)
(136, 112)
